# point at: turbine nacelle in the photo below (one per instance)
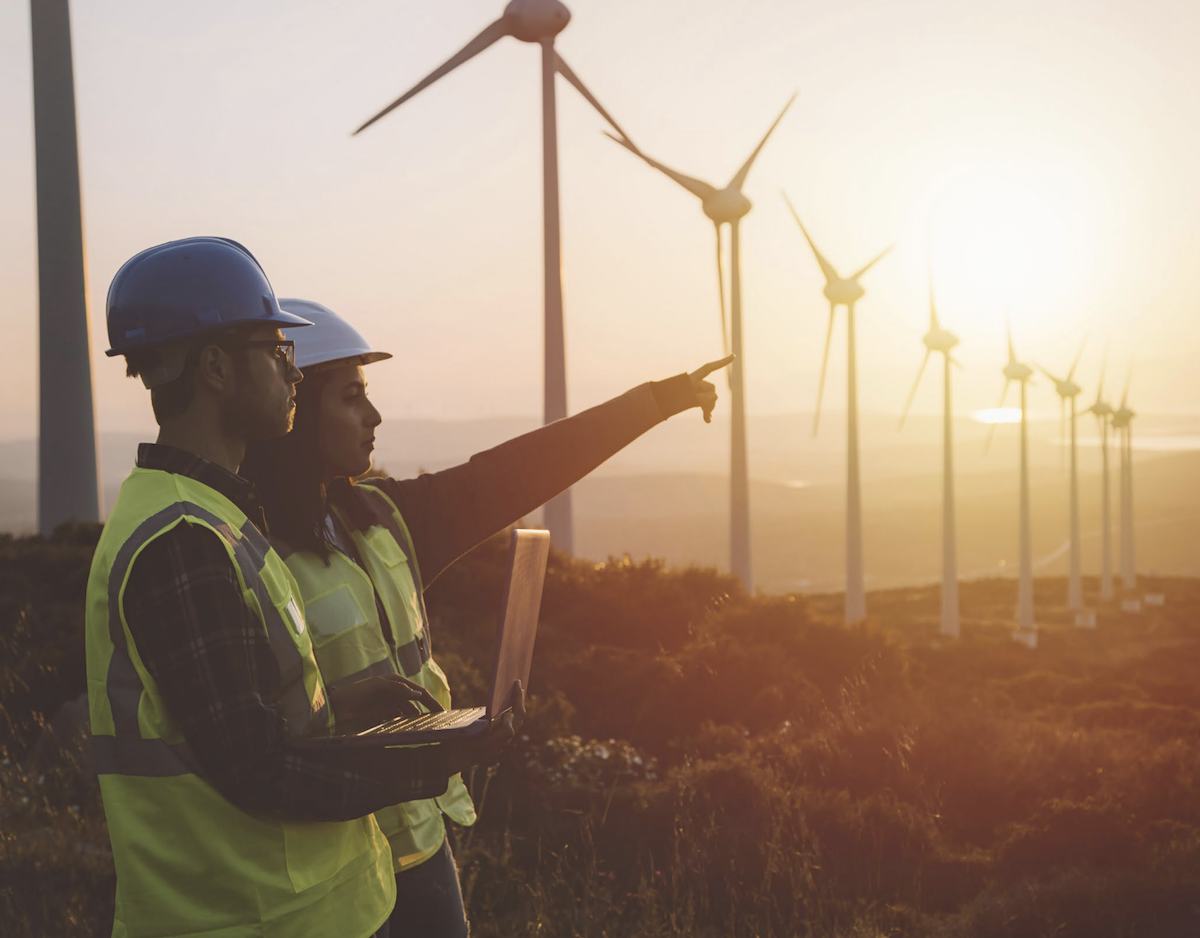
(1122, 417)
(843, 292)
(1067, 389)
(536, 20)
(1017, 371)
(939, 340)
(726, 206)
(1101, 409)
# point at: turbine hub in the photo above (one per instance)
(939, 340)
(1018, 372)
(728, 205)
(843, 292)
(536, 20)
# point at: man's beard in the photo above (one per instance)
(245, 416)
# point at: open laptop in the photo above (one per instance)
(515, 632)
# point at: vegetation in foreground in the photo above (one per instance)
(697, 762)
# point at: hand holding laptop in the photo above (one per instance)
(486, 749)
(365, 702)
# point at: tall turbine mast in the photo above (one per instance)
(1067, 391)
(728, 206)
(845, 291)
(1026, 631)
(940, 340)
(1103, 412)
(1122, 421)
(68, 471)
(537, 21)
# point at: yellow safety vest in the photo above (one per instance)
(188, 861)
(340, 601)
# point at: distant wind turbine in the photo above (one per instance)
(537, 21)
(68, 465)
(940, 340)
(1103, 411)
(845, 291)
(728, 206)
(1122, 421)
(1068, 390)
(1017, 371)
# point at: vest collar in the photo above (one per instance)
(238, 490)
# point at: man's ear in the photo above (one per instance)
(214, 368)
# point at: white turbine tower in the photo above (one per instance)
(1068, 390)
(1103, 412)
(940, 340)
(68, 468)
(1026, 631)
(1122, 421)
(729, 206)
(537, 21)
(845, 291)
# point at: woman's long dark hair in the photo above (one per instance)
(287, 474)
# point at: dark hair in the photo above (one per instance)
(172, 399)
(287, 474)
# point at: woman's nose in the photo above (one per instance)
(373, 417)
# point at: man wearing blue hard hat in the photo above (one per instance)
(201, 671)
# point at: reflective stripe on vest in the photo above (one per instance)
(126, 752)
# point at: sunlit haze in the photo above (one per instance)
(1041, 153)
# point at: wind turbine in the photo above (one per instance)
(1068, 390)
(845, 291)
(1122, 421)
(728, 206)
(1103, 412)
(940, 340)
(537, 21)
(1018, 371)
(68, 466)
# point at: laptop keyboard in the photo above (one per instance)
(447, 719)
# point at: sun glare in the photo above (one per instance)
(998, 415)
(1009, 237)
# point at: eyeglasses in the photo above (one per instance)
(285, 349)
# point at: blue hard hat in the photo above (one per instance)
(187, 288)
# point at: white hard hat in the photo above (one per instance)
(329, 339)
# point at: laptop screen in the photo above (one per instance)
(519, 615)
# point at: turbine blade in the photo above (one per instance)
(565, 70)
(739, 178)
(696, 187)
(992, 429)
(1047, 374)
(497, 30)
(1012, 355)
(1103, 369)
(878, 257)
(824, 364)
(826, 267)
(913, 392)
(1128, 381)
(1079, 355)
(721, 290)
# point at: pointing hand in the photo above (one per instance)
(706, 391)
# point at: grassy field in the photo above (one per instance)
(697, 762)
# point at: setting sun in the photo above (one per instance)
(1011, 236)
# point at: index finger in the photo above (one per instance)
(705, 370)
(416, 692)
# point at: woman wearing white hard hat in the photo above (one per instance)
(363, 553)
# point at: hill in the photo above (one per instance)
(699, 762)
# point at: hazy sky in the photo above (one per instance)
(1047, 146)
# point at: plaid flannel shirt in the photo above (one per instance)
(212, 661)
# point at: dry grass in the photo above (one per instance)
(697, 762)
